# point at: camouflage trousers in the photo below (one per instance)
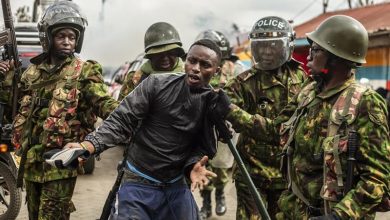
(50, 200)
(220, 181)
(292, 208)
(246, 206)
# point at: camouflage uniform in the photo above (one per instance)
(259, 92)
(314, 152)
(134, 78)
(59, 105)
(229, 70)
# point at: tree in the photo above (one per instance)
(351, 3)
(360, 3)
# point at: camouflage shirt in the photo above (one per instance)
(59, 105)
(262, 93)
(229, 70)
(372, 158)
(132, 79)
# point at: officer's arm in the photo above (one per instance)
(257, 126)
(373, 160)
(94, 92)
(127, 86)
(124, 120)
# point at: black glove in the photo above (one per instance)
(221, 104)
(332, 216)
(219, 107)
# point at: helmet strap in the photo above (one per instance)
(57, 56)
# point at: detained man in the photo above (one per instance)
(166, 117)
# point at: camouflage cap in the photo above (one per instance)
(165, 48)
(342, 36)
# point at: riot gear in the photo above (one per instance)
(342, 36)
(161, 37)
(272, 42)
(61, 14)
(220, 39)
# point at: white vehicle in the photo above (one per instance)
(28, 42)
(114, 78)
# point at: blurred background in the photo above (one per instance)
(116, 27)
(114, 36)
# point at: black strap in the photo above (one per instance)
(41, 102)
(314, 211)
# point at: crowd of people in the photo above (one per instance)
(315, 144)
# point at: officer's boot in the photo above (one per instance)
(205, 211)
(220, 208)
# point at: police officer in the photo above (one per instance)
(163, 49)
(264, 90)
(61, 97)
(337, 141)
(223, 159)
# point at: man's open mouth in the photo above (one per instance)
(193, 78)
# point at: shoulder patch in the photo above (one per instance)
(377, 113)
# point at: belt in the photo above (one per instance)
(134, 175)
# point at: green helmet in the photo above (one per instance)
(61, 14)
(220, 39)
(161, 37)
(272, 42)
(342, 36)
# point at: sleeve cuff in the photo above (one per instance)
(190, 164)
(95, 142)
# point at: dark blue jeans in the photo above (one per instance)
(138, 201)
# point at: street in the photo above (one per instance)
(91, 191)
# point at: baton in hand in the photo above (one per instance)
(225, 134)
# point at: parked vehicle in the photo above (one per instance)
(10, 194)
(27, 39)
(114, 77)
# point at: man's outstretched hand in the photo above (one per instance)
(200, 175)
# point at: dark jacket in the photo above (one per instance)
(167, 121)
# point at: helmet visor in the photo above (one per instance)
(270, 53)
